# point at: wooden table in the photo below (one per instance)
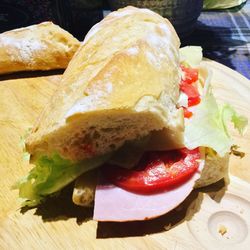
(60, 225)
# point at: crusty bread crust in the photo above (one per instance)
(38, 47)
(122, 83)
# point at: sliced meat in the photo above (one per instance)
(115, 204)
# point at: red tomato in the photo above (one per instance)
(192, 93)
(187, 113)
(190, 75)
(157, 171)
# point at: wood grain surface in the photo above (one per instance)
(58, 224)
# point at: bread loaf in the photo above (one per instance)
(88, 115)
(38, 47)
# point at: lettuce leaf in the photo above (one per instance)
(51, 174)
(222, 4)
(229, 114)
(208, 125)
(191, 55)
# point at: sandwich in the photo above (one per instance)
(133, 122)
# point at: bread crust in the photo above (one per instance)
(44, 46)
(131, 55)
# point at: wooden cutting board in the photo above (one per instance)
(217, 218)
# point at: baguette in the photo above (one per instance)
(44, 46)
(88, 116)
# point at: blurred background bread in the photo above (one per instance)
(44, 46)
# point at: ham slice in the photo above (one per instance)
(116, 204)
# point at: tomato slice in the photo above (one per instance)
(157, 171)
(192, 93)
(190, 74)
(187, 113)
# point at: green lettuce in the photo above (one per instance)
(222, 4)
(191, 55)
(50, 175)
(208, 125)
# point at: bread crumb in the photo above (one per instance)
(222, 230)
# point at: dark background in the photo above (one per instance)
(76, 16)
(224, 35)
